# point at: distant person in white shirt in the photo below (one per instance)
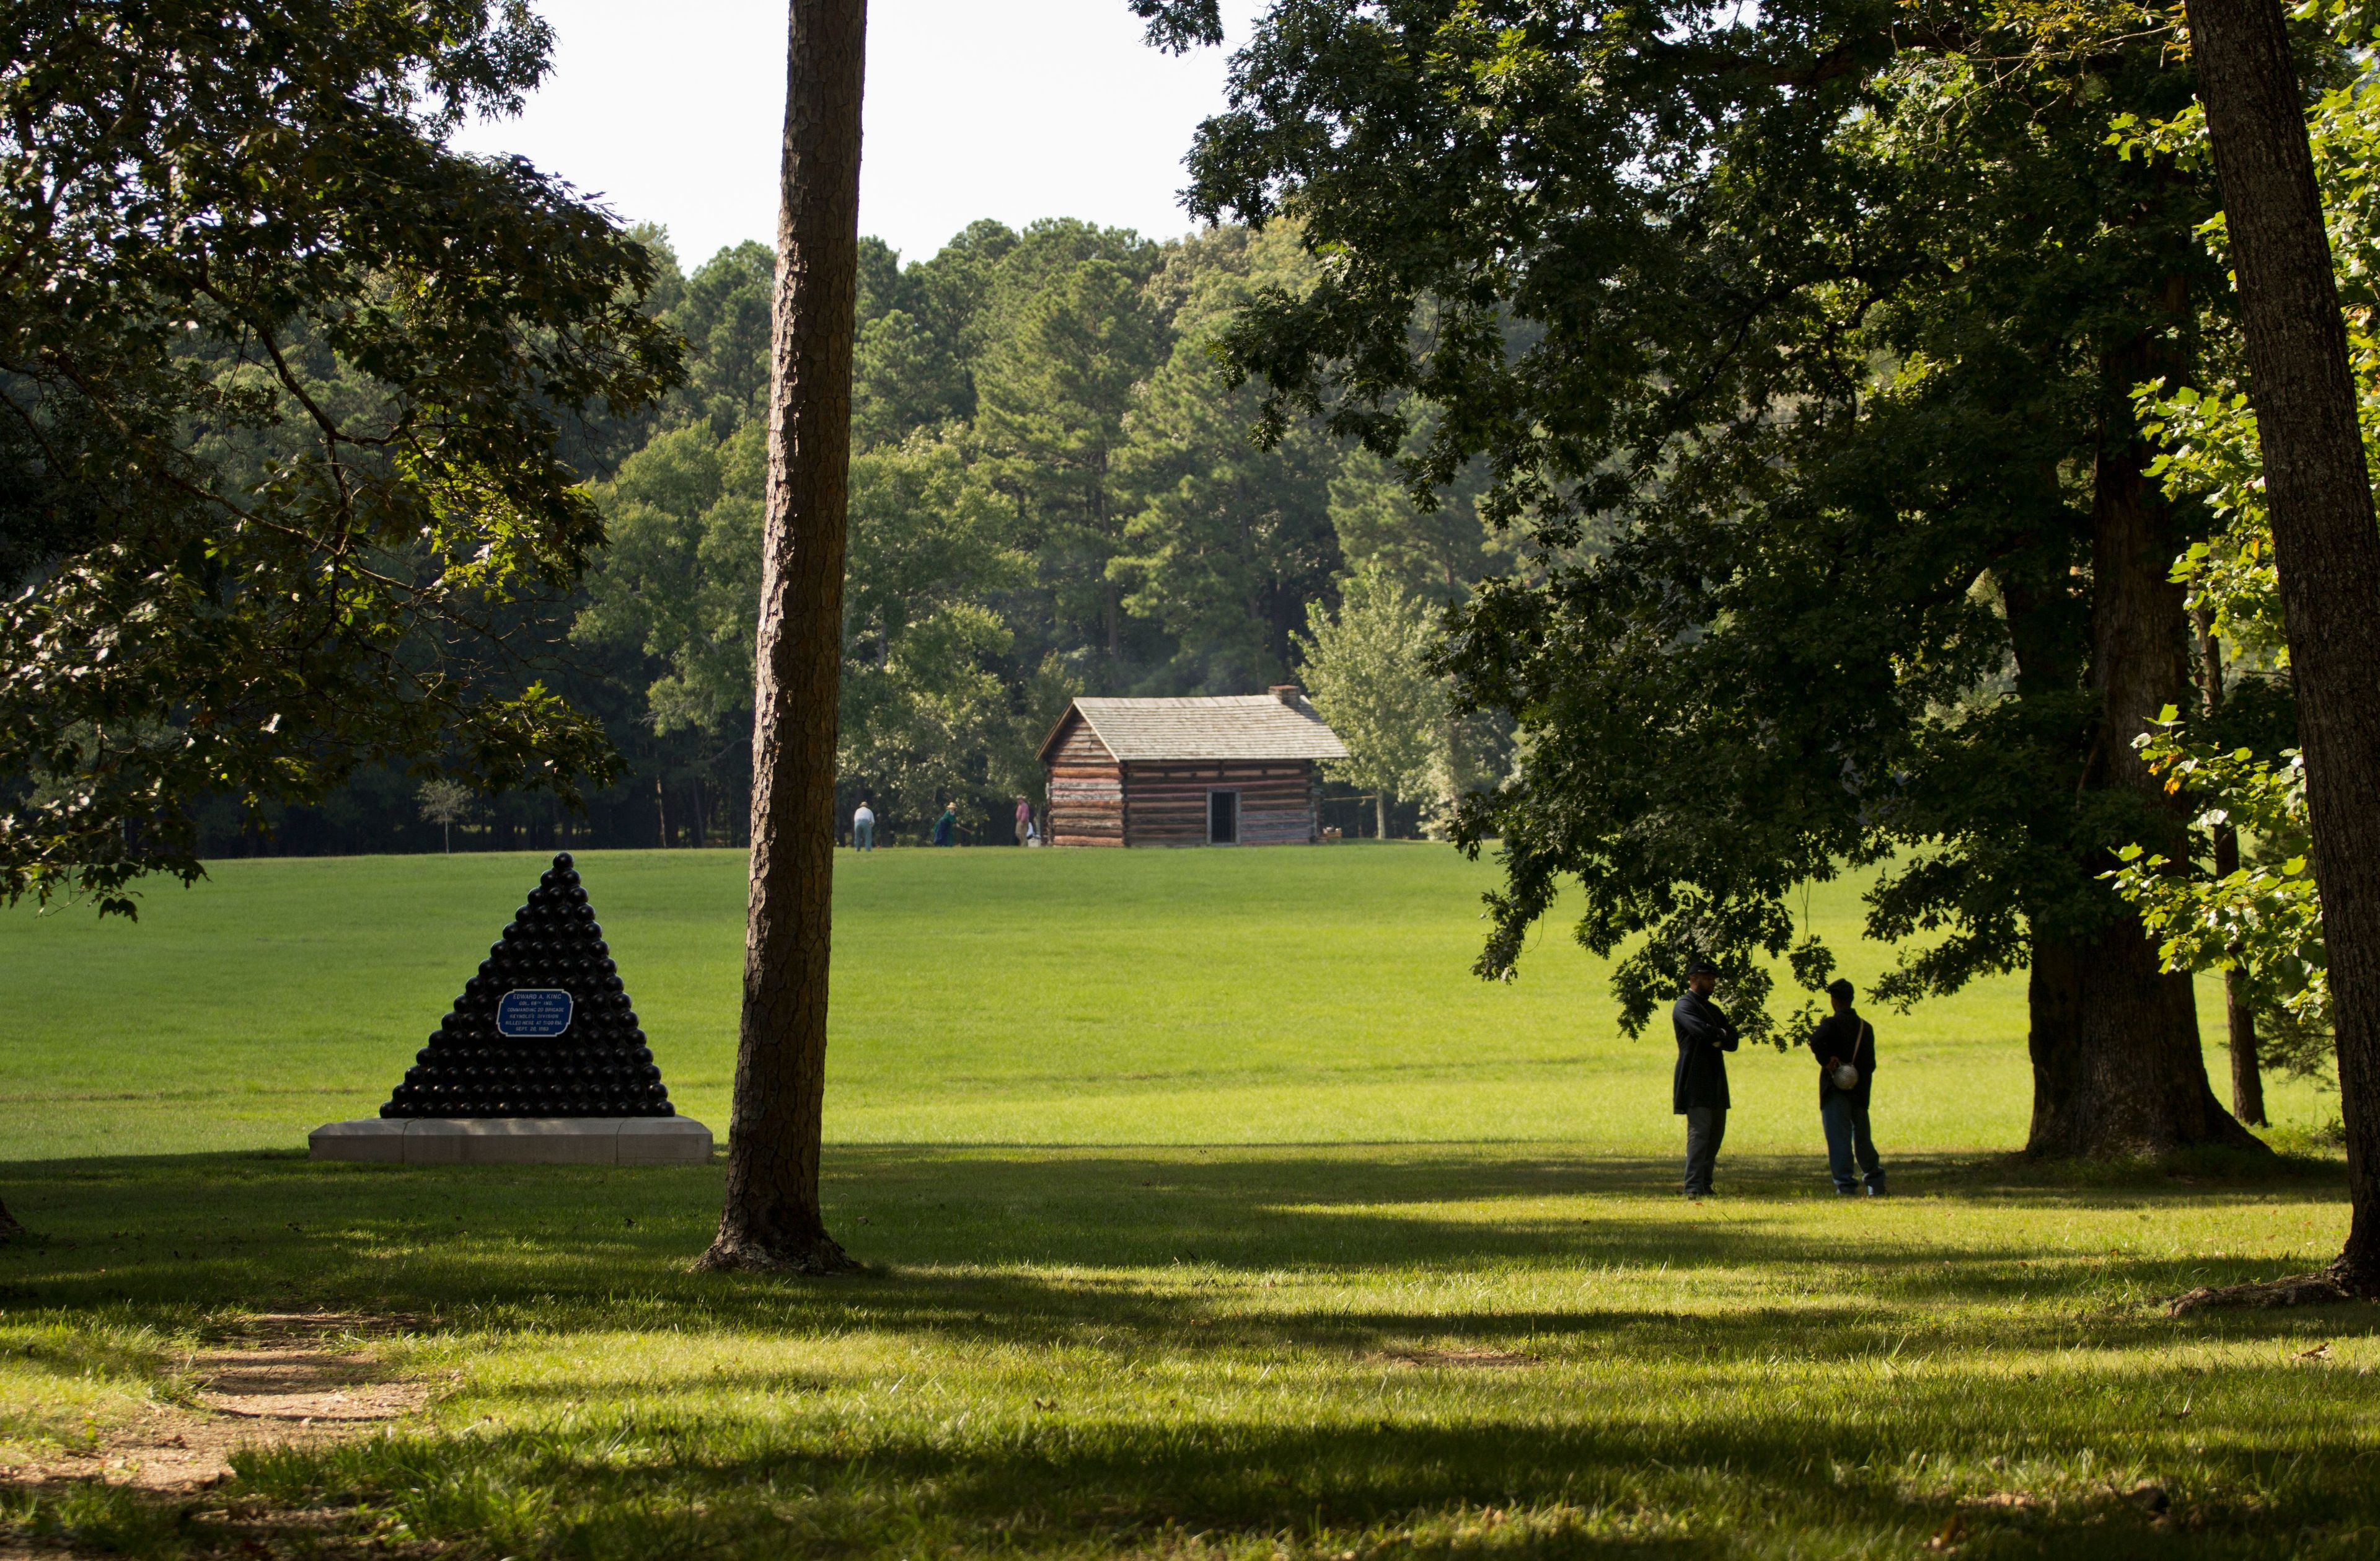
(863, 828)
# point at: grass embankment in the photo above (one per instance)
(1182, 1332)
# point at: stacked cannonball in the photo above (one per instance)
(597, 1067)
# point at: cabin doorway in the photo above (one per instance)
(1222, 817)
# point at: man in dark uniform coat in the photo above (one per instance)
(1698, 1088)
(1844, 1038)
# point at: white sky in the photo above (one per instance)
(1013, 109)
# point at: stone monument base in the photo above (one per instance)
(514, 1141)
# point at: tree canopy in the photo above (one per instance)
(1802, 344)
(284, 386)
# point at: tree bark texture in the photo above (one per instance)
(2118, 1067)
(773, 1219)
(2247, 1059)
(2326, 545)
(2238, 1008)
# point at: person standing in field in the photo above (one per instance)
(946, 828)
(1023, 820)
(1845, 1046)
(1698, 1088)
(863, 827)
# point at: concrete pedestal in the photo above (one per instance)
(514, 1141)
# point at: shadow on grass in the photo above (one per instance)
(1760, 1374)
(1046, 1240)
(1632, 1480)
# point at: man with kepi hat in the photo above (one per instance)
(1698, 1090)
(1845, 1046)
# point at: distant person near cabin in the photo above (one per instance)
(946, 828)
(1698, 1088)
(863, 827)
(1844, 1044)
(1023, 820)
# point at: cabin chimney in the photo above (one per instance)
(1288, 693)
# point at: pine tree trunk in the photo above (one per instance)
(772, 1218)
(2324, 541)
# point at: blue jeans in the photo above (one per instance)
(1848, 1140)
(862, 835)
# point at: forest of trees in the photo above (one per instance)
(1054, 491)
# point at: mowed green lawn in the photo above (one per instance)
(980, 996)
(1209, 1209)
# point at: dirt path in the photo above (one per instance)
(292, 1379)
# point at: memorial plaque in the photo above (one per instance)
(533, 1014)
(545, 1028)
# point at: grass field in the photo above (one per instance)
(1210, 1209)
(987, 996)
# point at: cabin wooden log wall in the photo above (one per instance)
(1166, 804)
(1085, 790)
(1144, 772)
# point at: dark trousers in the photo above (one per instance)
(1705, 1130)
(1847, 1139)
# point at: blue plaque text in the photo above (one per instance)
(533, 1013)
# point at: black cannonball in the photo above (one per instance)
(595, 931)
(562, 861)
(599, 948)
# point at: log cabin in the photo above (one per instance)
(1238, 771)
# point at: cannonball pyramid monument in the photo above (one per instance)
(539, 1060)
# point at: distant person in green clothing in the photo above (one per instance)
(946, 828)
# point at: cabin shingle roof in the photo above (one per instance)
(1235, 727)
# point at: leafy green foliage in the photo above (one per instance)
(2265, 919)
(1795, 347)
(1106, 522)
(283, 383)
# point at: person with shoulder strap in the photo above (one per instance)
(1845, 1046)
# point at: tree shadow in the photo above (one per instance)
(1603, 1481)
(1047, 1243)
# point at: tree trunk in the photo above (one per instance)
(773, 1219)
(1380, 815)
(2324, 541)
(2239, 1009)
(2118, 1067)
(2247, 1061)
(660, 809)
